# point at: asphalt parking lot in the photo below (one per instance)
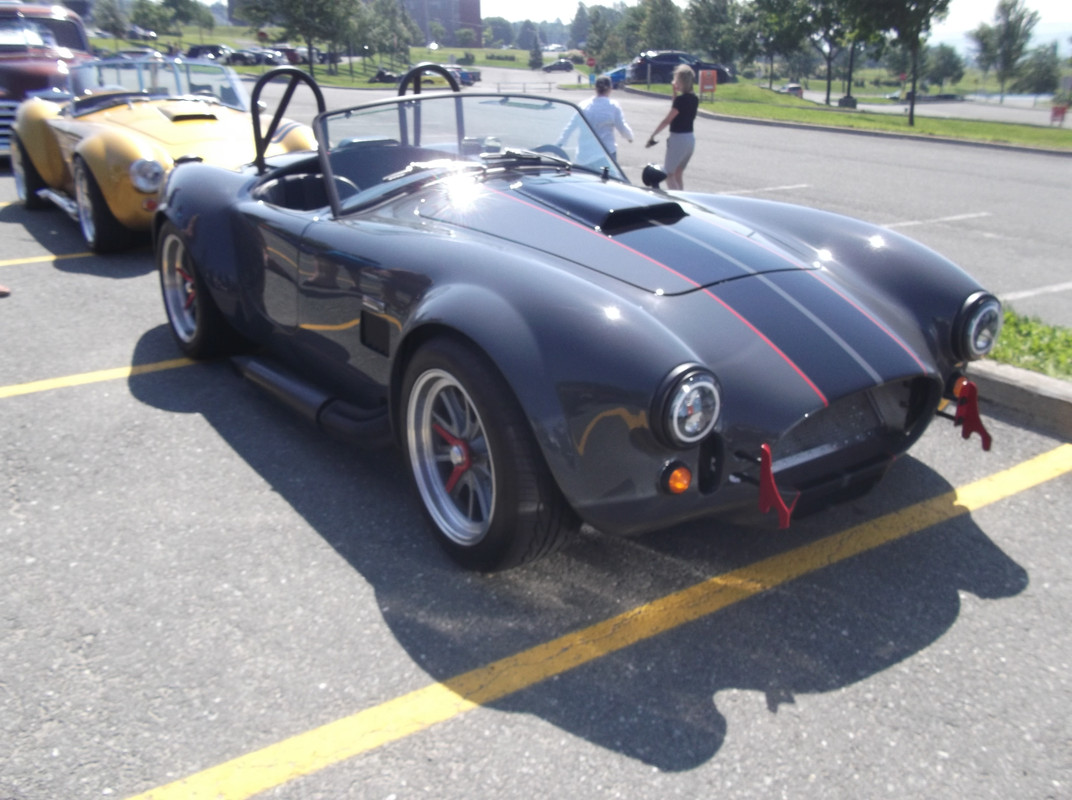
(207, 598)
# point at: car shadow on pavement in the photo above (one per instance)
(58, 234)
(656, 701)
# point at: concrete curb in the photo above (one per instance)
(1024, 397)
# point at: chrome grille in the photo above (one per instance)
(7, 121)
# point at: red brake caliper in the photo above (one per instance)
(191, 294)
(459, 457)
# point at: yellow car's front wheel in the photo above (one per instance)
(101, 230)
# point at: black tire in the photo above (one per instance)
(101, 230)
(476, 466)
(196, 322)
(28, 181)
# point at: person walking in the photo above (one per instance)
(605, 116)
(681, 142)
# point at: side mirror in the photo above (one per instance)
(653, 175)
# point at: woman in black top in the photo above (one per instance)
(681, 142)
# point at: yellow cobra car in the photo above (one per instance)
(101, 150)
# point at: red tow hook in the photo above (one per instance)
(967, 416)
(769, 496)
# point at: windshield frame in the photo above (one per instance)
(153, 79)
(459, 127)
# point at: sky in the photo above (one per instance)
(964, 15)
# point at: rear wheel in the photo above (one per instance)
(196, 322)
(28, 181)
(101, 230)
(475, 463)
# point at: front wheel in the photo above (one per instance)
(475, 463)
(196, 322)
(101, 230)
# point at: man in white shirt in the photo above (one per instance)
(605, 116)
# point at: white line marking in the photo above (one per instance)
(770, 189)
(1052, 289)
(955, 218)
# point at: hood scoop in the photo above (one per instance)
(188, 112)
(605, 207)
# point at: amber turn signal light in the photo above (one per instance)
(677, 478)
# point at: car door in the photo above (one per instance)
(355, 293)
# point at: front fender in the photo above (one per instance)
(585, 373)
(108, 154)
(890, 271)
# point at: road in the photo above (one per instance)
(201, 591)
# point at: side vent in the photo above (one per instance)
(375, 333)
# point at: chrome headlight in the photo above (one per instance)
(977, 327)
(146, 175)
(690, 404)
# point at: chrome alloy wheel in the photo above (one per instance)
(179, 287)
(83, 195)
(450, 457)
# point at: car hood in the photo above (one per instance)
(644, 238)
(217, 133)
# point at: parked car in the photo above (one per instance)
(794, 89)
(548, 344)
(617, 75)
(102, 150)
(657, 66)
(37, 45)
(561, 65)
(214, 52)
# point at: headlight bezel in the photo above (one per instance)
(147, 175)
(679, 391)
(979, 320)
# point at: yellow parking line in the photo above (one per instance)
(314, 750)
(118, 373)
(11, 262)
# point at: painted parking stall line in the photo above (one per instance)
(317, 749)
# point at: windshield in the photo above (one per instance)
(491, 129)
(21, 33)
(155, 78)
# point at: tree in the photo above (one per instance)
(985, 48)
(1040, 72)
(943, 63)
(909, 22)
(579, 27)
(827, 31)
(498, 30)
(662, 25)
(726, 29)
(109, 18)
(780, 27)
(1013, 23)
(535, 54)
(151, 16)
(527, 38)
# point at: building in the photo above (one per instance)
(453, 15)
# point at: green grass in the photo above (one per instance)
(1031, 344)
(747, 100)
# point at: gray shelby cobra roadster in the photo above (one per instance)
(548, 344)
